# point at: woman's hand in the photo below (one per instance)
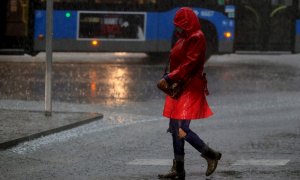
(162, 84)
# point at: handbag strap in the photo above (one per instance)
(167, 66)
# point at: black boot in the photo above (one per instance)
(212, 157)
(180, 170)
(177, 171)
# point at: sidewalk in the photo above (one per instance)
(18, 126)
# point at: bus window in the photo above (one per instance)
(298, 10)
(195, 2)
(67, 1)
(224, 2)
(114, 5)
(221, 2)
(282, 2)
(101, 25)
(17, 18)
(132, 2)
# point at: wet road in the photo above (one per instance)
(120, 79)
(256, 100)
(108, 81)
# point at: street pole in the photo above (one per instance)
(48, 78)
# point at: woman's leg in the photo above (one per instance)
(178, 143)
(212, 157)
(192, 137)
(177, 171)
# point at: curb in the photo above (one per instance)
(15, 142)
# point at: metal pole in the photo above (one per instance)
(48, 78)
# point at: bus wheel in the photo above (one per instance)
(158, 55)
(209, 50)
(33, 53)
(210, 33)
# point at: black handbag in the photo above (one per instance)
(173, 90)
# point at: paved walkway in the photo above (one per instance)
(20, 125)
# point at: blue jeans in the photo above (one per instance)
(191, 137)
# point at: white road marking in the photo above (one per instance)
(151, 162)
(97, 126)
(243, 162)
(261, 162)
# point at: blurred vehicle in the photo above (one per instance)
(146, 25)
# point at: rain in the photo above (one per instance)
(106, 58)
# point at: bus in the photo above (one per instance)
(146, 25)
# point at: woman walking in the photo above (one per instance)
(187, 60)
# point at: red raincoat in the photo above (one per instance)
(187, 56)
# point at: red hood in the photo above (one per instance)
(186, 19)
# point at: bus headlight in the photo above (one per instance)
(95, 43)
(227, 34)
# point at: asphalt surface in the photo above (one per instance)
(19, 126)
(256, 100)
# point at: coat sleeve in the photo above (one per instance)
(194, 48)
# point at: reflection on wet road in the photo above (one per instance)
(101, 82)
(122, 79)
